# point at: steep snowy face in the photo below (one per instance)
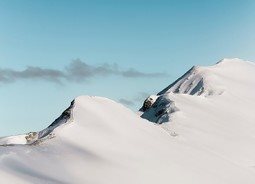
(232, 76)
(196, 81)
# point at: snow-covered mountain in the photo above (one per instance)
(204, 133)
(229, 79)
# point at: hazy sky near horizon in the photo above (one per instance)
(53, 51)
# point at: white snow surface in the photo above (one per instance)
(210, 139)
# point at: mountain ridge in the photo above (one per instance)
(199, 138)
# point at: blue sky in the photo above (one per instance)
(146, 37)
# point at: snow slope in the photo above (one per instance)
(208, 137)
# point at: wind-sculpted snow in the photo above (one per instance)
(205, 138)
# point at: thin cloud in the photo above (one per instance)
(132, 73)
(141, 96)
(76, 71)
(79, 71)
(10, 75)
(138, 99)
(126, 102)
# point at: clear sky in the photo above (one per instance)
(54, 50)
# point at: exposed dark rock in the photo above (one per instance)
(160, 111)
(63, 118)
(147, 104)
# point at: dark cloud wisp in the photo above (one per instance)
(138, 99)
(126, 102)
(77, 71)
(10, 75)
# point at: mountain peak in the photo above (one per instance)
(204, 80)
(233, 63)
(234, 76)
(229, 60)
